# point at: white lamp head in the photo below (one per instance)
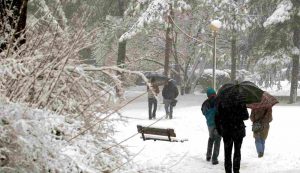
(215, 25)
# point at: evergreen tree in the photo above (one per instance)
(235, 18)
(283, 36)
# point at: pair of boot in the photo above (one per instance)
(214, 161)
(152, 117)
(168, 115)
(260, 154)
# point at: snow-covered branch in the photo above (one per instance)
(156, 12)
(281, 14)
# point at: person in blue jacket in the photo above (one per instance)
(209, 110)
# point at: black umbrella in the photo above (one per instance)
(159, 78)
(239, 93)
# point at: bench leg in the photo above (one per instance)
(143, 136)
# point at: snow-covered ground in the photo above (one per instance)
(282, 145)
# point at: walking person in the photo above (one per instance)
(263, 116)
(152, 98)
(230, 124)
(209, 110)
(169, 93)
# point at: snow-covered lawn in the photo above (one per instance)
(282, 152)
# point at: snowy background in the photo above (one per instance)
(61, 87)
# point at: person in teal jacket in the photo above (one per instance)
(209, 110)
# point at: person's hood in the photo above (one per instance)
(210, 92)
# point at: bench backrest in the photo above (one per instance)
(156, 131)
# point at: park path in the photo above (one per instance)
(282, 145)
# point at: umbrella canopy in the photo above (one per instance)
(159, 78)
(267, 101)
(239, 93)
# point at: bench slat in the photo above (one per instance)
(156, 131)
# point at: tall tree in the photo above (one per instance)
(234, 16)
(161, 12)
(233, 44)
(121, 44)
(168, 45)
(284, 26)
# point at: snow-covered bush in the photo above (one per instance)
(47, 73)
(269, 69)
(205, 80)
(242, 75)
(33, 140)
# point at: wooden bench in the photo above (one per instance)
(152, 133)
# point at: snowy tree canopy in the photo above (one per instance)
(156, 12)
(233, 14)
(281, 14)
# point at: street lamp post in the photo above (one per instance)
(215, 25)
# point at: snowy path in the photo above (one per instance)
(282, 153)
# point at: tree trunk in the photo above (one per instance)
(233, 49)
(168, 45)
(295, 67)
(121, 46)
(187, 84)
(15, 22)
(21, 23)
(233, 57)
(121, 54)
(294, 82)
(177, 65)
(167, 51)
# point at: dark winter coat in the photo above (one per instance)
(230, 120)
(170, 91)
(209, 110)
(264, 116)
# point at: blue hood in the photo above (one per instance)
(210, 91)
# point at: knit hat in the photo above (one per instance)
(210, 91)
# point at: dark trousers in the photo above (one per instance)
(228, 144)
(152, 102)
(214, 141)
(168, 108)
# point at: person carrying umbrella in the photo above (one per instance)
(232, 112)
(152, 98)
(209, 110)
(261, 116)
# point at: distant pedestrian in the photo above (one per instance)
(153, 92)
(230, 124)
(169, 93)
(209, 110)
(263, 116)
